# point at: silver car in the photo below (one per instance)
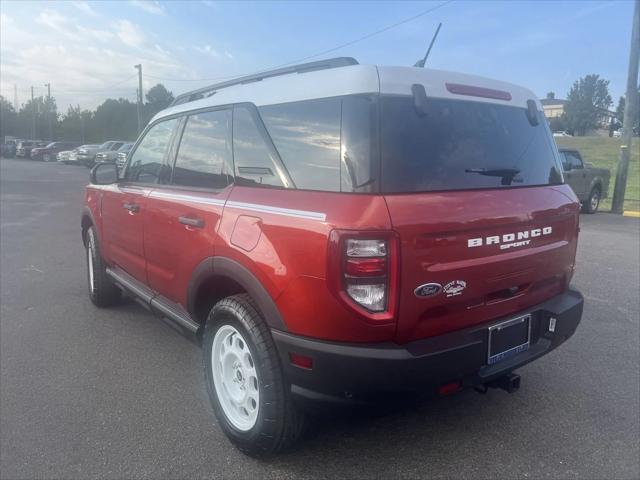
(111, 156)
(87, 155)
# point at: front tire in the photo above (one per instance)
(593, 202)
(46, 157)
(247, 389)
(102, 290)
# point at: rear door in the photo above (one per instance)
(475, 192)
(124, 205)
(183, 214)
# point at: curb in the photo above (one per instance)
(631, 213)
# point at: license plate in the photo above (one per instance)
(509, 338)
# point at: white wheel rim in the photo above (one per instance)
(594, 201)
(47, 157)
(90, 264)
(235, 378)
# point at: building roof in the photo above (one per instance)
(553, 101)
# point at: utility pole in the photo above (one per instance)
(33, 116)
(15, 96)
(630, 114)
(139, 67)
(49, 111)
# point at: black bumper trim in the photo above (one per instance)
(351, 372)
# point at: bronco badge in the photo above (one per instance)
(454, 288)
(428, 290)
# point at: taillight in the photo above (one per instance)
(363, 272)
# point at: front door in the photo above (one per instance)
(183, 215)
(124, 205)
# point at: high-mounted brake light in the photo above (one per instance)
(363, 271)
(474, 91)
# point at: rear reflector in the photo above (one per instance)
(472, 91)
(449, 388)
(301, 361)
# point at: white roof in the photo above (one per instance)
(354, 79)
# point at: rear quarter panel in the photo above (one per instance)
(287, 253)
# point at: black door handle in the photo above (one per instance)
(192, 222)
(132, 207)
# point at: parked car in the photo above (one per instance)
(111, 156)
(589, 183)
(23, 150)
(87, 155)
(9, 147)
(562, 134)
(48, 153)
(122, 158)
(339, 233)
(73, 157)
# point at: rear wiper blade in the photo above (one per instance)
(507, 174)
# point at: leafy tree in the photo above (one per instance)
(587, 97)
(557, 124)
(620, 112)
(8, 118)
(158, 98)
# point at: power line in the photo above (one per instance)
(308, 57)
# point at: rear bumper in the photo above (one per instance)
(344, 373)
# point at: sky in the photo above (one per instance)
(86, 50)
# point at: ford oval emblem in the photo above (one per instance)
(428, 290)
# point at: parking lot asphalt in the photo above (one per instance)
(90, 393)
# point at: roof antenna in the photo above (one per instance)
(420, 63)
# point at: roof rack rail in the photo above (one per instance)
(301, 68)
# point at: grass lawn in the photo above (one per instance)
(604, 152)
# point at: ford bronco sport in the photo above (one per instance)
(336, 232)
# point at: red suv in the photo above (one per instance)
(335, 232)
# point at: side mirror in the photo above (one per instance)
(104, 174)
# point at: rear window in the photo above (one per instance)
(462, 145)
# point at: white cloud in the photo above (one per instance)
(85, 8)
(85, 62)
(228, 54)
(208, 50)
(129, 33)
(149, 6)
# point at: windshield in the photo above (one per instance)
(125, 148)
(52, 145)
(105, 145)
(463, 145)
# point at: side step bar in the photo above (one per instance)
(161, 306)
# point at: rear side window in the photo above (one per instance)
(463, 145)
(256, 160)
(307, 137)
(205, 151)
(147, 160)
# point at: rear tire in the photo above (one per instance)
(593, 202)
(102, 291)
(248, 392)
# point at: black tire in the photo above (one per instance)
(279, 424)
(104, 292)
(593, 202)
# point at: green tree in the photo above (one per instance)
(158, 98)
(8, 119)
(586, 98)
(551, 95)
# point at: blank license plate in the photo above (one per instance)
(509, 338)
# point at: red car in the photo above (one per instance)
(342, 233)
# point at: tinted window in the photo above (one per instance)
(205, 151)
(463, 145)
(572, 160)
(147, 160)
(256, 161)
(360, 164)
(307, 137)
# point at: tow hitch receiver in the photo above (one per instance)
(509, 383)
